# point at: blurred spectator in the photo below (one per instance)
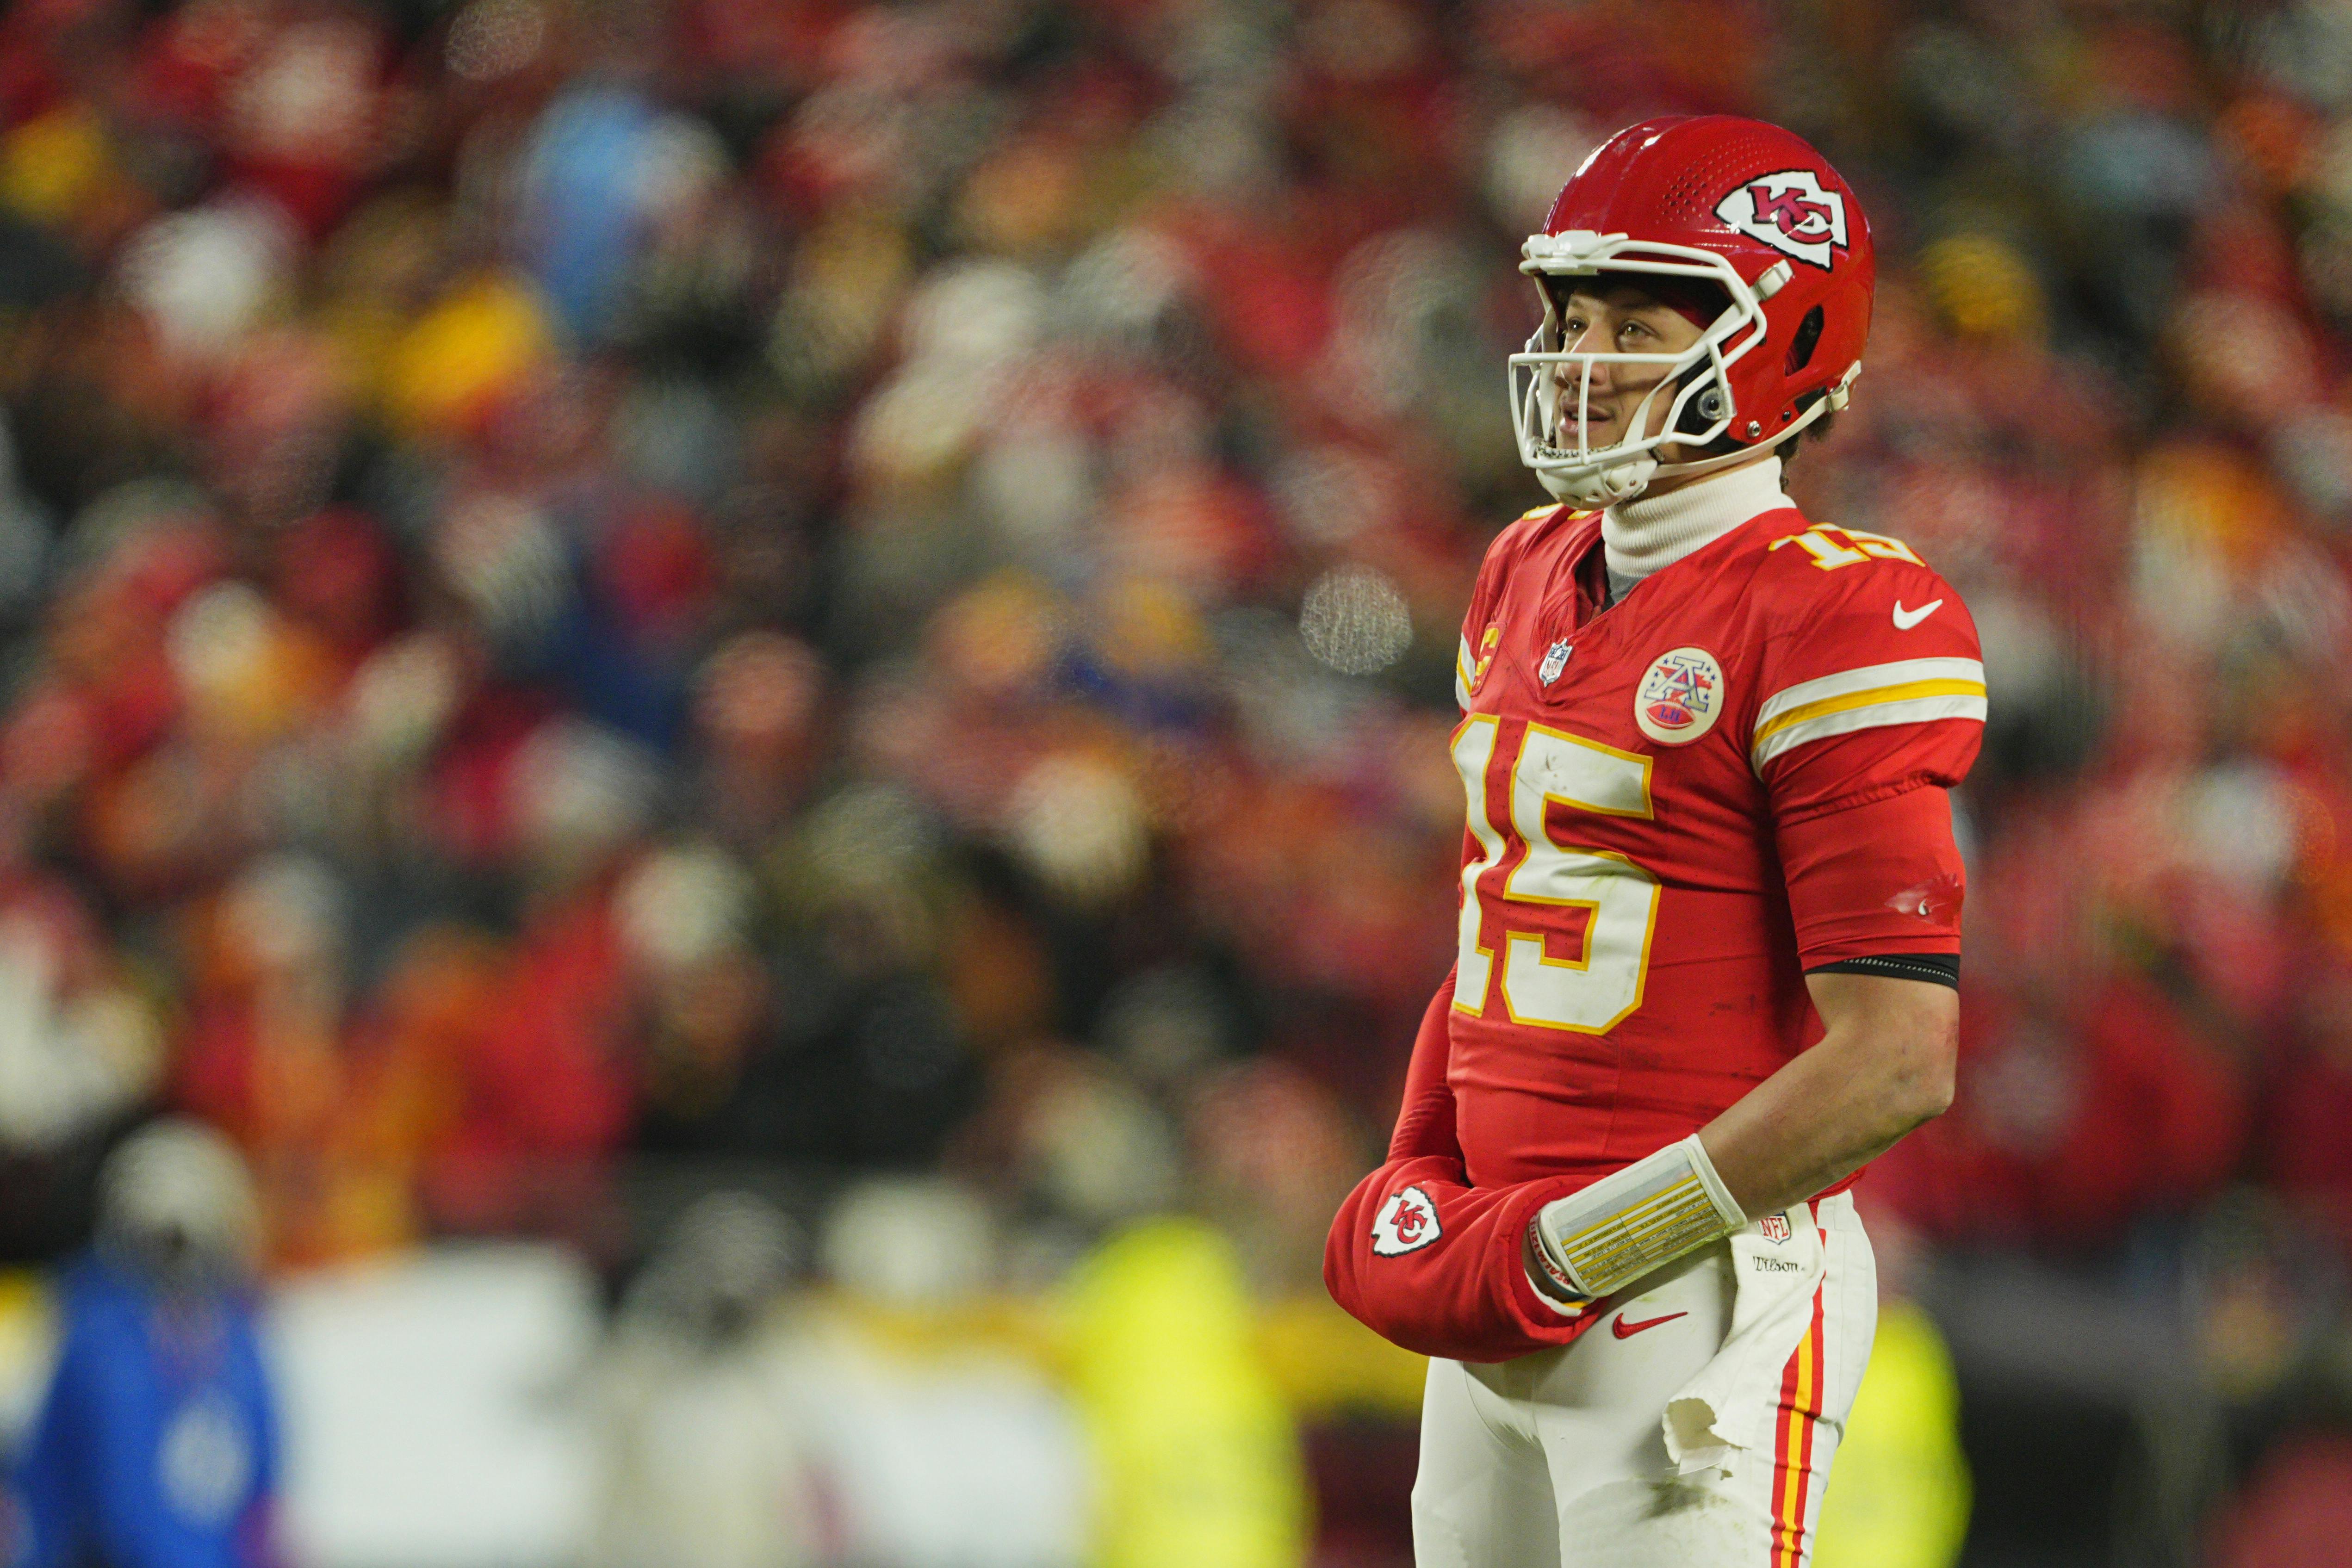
(81, 1052)
(2295, 1509)
(2079, 1115)
(157, 1445)
(939, 1434)
(2306, 1150)
(1197, 1459)
(707, 1456)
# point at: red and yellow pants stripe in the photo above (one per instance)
(1801, 1389)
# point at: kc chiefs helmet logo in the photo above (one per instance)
(1407, 1222)
(1790, 212)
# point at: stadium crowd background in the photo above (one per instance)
(605, 601)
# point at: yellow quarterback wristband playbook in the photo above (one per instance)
(1597, 1241)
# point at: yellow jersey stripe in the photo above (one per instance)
(1766, 728)
(1965, 705)
(1868, 677)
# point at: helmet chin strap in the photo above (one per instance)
(1608, 484)
(1598, 486)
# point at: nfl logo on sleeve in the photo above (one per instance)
(1407, 1222)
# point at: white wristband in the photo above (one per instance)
(1599, 1240)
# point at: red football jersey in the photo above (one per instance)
(1678, 804)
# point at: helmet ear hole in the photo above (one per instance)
(1807, 337)
(1710, 404)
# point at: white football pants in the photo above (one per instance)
(1560, 1460)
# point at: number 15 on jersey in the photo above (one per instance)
(1552, 975)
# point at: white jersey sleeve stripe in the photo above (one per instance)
(1462, 668)
(1867, 678)
(1908, 691)
(1913, 710)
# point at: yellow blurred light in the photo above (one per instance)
(51, 165)
(1899, 1495)
(1325, 1362)
(999, 635)
(1983, 288)
(29, 1339)
(477, 342)
(1149, 628)
(1024, 200)
(848, 276)
(246, 673)
(2213, 495)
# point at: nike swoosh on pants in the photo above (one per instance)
(1624, 1329)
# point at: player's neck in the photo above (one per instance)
(1650, 532)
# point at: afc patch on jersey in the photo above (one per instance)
(1790, 212)
(1407, 1222)
(1680, 696)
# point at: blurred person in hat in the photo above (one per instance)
(157, 1444)
(707, 1456)
(82, 1052)
(941, 1434)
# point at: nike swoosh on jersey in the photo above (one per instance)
(1624, 1329)
(1906, 619)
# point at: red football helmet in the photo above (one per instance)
(1746, 206)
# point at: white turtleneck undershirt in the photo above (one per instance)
(1642, 535)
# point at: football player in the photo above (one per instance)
(1710, 913)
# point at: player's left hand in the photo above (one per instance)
(1437, 1265)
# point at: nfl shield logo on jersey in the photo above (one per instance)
(1555, 660)
(1407, 1222)
(1774, 1227)
(1679, 696)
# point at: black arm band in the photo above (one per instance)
(1940, 968)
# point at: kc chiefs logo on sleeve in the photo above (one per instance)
(1407, 1222)
(1790, 212)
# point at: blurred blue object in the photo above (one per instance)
(157, 1444)
(583, 186)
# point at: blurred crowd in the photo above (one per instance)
(602, 587)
